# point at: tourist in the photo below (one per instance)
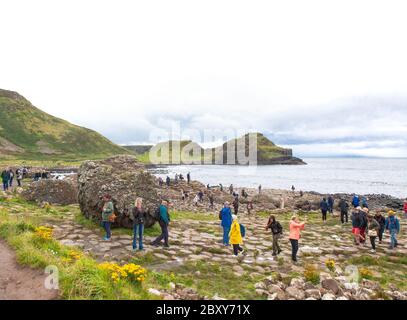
(200, 195)
(344, 207)
(382, 222)
(355, 218)
(196, 200)
(324, 208)
(293, 188)
(19, 176)
(294, 236)
(189, 177)
(405, 208)
(211, 201)
(393, 227)
(355, 201)
(221, 187)
(181, 177)
(277, 232)
(249, 207)
(226, 216)
(259, 188)
(244, 193)
(138, 223)
(11, 178)
(182, 194)
(176, 178)
(301, 193)
(363, 226)
(107, 213)
(5, 179)
(208, 186)
(160, 181)
(235, 236)
(373, 231)
(236, 204)
(168, 181)
(231, 189)
(331, 204)
(164, 221)
(364, 203)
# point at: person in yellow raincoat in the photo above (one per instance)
(235, 236)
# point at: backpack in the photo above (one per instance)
(278, 229)
(242, 230)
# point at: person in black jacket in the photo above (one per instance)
(324, 208)
(382, 222)
(344, 207)
(277, 232)
(138, 223)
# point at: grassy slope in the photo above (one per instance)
(33, 130)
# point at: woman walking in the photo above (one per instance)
(138, 223)
(235, 236)
(295, 228)
(382, 222)
(107, 215)
(373, 231)
(277, 232)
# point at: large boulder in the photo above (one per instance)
(62, 192)
(124, 179)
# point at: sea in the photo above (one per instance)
(323, 175)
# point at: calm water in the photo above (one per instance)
(327, 175)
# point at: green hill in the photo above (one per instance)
(28, 133)
(267, 152)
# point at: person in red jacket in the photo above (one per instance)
(405, 208)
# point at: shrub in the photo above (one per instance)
(133, 272)
(44, 233)
(365, 273)
(311, 274)
(330, 264)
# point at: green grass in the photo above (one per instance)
(198, 216)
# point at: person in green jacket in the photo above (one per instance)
(106, 213)
(164, 221)
(5, 177)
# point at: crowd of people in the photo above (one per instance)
(8, 176)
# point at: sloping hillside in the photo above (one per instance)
(29, 133)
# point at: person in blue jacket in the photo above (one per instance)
(331, 204)
(226, 217)
(164, 221)
(393, 227)
(355, 201)
(324, 208)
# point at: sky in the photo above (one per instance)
(327, 78)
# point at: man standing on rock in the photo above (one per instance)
(226, 217)
(164, 221)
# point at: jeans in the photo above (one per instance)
(294, 247)
(344, 217)
(226, 231)
(138, 228)
(5, 185)
(163, 235)
(380, 233)
(393, 238)
(324, 215)
(276, 246)
(106, 226)
(373, 242)
(236, 249)
(11, 182)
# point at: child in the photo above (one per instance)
(235, 236)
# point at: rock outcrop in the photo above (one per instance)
(124, 179)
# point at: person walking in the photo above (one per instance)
(331, 204)
(168, 181)
(382, 222)
(393, 227)
(294, 236)
(226, 216)
(5, 179)
(363, 226)
(235, 236)
(19, 176)
(11, 178)
(236, 204)
(344, 207)
(277, 232)
(324, 208)
(211, 201)
(259, 188)
(231, 189)
(364, 203)
(164, 221)
(107, 212)
(138, 223)
(356, 224)
(292, 188)
(188, 177)
(355, 201)
(249, 207)
(221, 187)
(372, 231)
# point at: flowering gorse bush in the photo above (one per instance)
(365, 273)
(330, 264)
(311, 274)
(43, 232)
(132, 272)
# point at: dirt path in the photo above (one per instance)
(21, 283)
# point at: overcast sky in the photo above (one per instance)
(325, 77)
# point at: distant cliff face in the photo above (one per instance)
(233, 152)
(28, 132)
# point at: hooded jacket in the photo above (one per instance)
(235, 235)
